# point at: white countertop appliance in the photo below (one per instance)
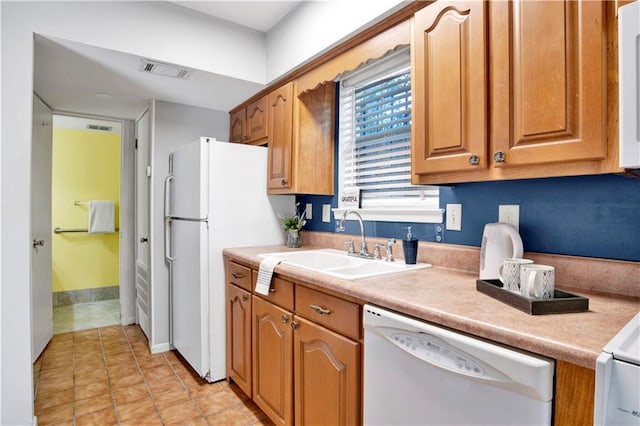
(617, 400)
(499, 242)
(215, 197)
(416, 373)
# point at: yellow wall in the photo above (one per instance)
(86, 166)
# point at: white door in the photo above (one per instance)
(143, 287)
(190, 292)
(41, 272)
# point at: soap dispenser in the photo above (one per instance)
(410, 248)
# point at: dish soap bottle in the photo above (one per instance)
(410, 248)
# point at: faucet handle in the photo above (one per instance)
(376, 251)
(389, 247)
(351, 249)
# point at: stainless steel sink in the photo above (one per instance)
(338, 264)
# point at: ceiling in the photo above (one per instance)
(79, 78)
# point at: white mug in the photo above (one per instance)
(537, 281)
(509, 273)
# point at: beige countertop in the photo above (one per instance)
(448, 297)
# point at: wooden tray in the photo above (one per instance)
(562, 302)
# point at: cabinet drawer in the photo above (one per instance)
(330, 311)
(239, 275)
(281, 292)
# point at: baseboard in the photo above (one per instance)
(162, 347)
(129, 321)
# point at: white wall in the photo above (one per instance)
(150, 29)
(172, 125)
(315, 26)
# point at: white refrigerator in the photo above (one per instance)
(215, 197)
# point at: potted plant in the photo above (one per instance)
(292, 225)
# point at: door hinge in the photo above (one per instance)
(148, 171)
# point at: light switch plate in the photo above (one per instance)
(509, 213)
(326, 213)
(308, 211)
(454, 217)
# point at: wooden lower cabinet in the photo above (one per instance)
(273, 361)
(574, 394)
(327, 376)
(303, 373)
(239, 337)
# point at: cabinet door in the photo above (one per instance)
(256, 121)
(449, 88)
(239, 337)
(237, 129)
(327, 376)
(548, 81)
(280, 116)
(273, 361)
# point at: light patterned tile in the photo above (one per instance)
(96, 403)
(180, 413)
(106, 416)
(173, 396)
(133, 410)
(127, 394)
(51, 399)
(56, 414)
(92, 390)
(230, 416)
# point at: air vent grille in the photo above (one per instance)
(99, 127)
(165, 70)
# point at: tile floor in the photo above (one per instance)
(83, 316)
(107, 376)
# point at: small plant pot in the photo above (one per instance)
(293, 238)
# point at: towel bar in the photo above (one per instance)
(64, 230)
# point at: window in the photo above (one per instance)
(375, 143)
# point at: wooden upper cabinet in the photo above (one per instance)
(257, 122)
(249, 124)
(280, 116)
(548, 81)
(237, 125)
(301, 140)
(449, 87)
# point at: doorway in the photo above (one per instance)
(85, 200)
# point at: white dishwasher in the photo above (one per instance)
(418, 374)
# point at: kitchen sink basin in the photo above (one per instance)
(338, 264)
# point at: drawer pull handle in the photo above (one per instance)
(237, 275)
(245, 297)
(320, 310)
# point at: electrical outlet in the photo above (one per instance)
(308, 211)
(326, 213)
(509, 213)
(454, 217)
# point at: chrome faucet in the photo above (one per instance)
(364, 252)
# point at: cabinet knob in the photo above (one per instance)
(320, 310)
(245, 297)
(294, 324)
(474, 160)
(499, 157)
(284, 182)
(285, 319)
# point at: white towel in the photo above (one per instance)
(101, 216)
(265, 272)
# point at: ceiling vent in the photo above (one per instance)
(99, 127)
(166, 70)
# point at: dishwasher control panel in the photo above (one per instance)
(436, 351)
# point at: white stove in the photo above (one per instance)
(618, 378)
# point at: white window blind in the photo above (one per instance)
(375, 138)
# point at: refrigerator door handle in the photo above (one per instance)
(167, 219)
(167, 195)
